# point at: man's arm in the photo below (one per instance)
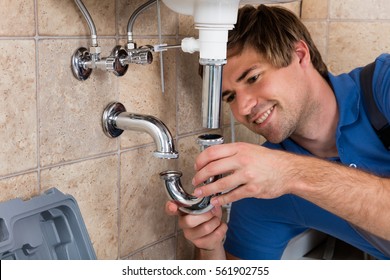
(361, 198)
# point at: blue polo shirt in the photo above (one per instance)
(261, 228)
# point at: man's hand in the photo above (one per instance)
(206, 231)
(251, 171)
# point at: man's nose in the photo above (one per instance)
(245, 103)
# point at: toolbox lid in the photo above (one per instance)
(45, 227)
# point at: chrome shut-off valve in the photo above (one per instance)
(189, 203)
(84, 60)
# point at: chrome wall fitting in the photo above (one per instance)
(84, 61)
(115, 120)
(187, 203)
(109, 119)
(79, 60)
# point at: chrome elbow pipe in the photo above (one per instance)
(116, 120)
(187, 203)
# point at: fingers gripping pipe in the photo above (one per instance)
(188, 203)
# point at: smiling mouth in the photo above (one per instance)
(264, 116)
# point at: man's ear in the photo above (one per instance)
(302, 52)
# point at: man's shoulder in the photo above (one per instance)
(383, 57)
(287, 145)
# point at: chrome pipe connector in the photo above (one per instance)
(187, 203)
(130, 23)
(116, 120)
(89, 21)
(212, 92)
(207, 140)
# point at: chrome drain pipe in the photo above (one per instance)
(188, 203)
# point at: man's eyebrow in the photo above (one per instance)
(245, 73)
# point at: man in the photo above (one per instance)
(322, 167)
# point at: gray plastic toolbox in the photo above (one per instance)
(46, 227)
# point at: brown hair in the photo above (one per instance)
(273, 32)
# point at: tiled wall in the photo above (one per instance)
(50, 122)
(349, 33)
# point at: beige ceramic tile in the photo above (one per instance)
(22, 186)
(142, 200)
(315, 9)
(318, 31)
(164, 250)
(242, 134)
(294, 6)
(141, 92)
(146, 23)
(17, 18)
(187, 26)
(18, 117)
(94, 185)
(63, 18)
(71, 110)
(359, 9)
(353, 44)
(189, 89)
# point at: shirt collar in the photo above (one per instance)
(346, 88)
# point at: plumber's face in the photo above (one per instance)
(267, 100)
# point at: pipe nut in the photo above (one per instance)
(95, 50)
(131, 46)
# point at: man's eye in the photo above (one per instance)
(229, 98)
(253, 79)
